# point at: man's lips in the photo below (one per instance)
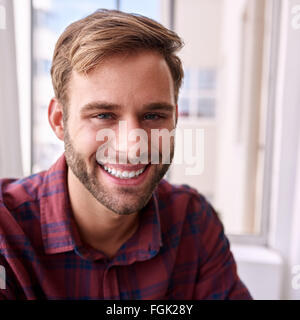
(124, 167)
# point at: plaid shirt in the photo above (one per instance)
(179, 251)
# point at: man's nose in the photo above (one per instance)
(125, 128)
(130, 132)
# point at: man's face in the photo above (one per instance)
(138, 90)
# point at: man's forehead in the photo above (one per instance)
(139, 79)
(122, 62)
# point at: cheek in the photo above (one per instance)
(84, 140)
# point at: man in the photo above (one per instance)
(94, 228)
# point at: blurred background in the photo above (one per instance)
(241, 86)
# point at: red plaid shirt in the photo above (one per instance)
(179, 251)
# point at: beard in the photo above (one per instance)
(121, 200)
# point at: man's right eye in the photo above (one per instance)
(104, 116)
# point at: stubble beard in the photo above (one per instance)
(122, 201)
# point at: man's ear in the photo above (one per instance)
(55, 117)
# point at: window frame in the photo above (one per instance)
(267, 185)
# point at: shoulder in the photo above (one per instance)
(19, 207)
(20, 219)
(184, 205)
(181, 198)
(15, 192)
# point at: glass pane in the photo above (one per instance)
(183, 107)
(206, 107)
(63, 12)
(50, 18)
(150, 9)
(186, 84)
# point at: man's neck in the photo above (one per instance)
(98, 226)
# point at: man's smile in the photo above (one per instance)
(125, 174)
(124, 171)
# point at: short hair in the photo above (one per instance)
(87, 42)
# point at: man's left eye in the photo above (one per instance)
(152, 116)
(103, 116)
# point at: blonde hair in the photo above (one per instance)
(87, 42)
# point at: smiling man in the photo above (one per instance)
(93, 227)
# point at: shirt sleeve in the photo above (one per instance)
(217, 278)
(10, 288)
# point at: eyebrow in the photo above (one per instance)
(98, 105)
(103, 105)
(160, 106)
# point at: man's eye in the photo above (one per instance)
(152, 116)
(104, 116)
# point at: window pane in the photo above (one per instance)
(206, 107)
(150, 9)
(183, 106)
(63, 12)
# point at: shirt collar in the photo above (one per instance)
(60, 233)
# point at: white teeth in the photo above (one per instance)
(123, 174)
(131, 174)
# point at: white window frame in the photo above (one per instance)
(22, 19)
(268, 177)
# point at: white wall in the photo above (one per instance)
(260, 269)
(199, 23)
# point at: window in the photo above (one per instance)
(198, 93)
